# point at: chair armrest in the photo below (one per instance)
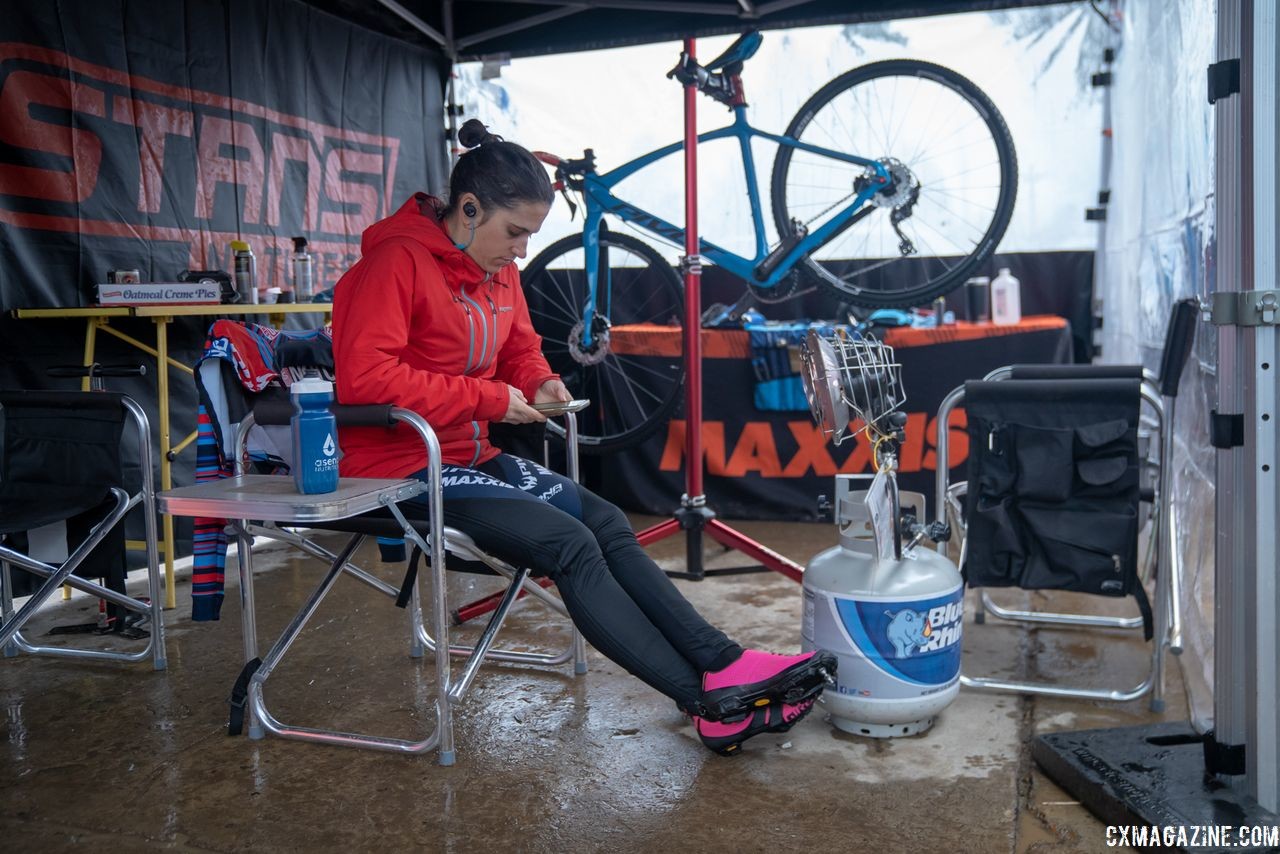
(424, 431)
(1075, 372)
(277, 409)
(569, 432)
(942, 450)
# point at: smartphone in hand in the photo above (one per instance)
(560, 407)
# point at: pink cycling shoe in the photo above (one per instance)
(759, 679)
(726, 739)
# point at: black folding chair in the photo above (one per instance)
(1157, 397)
(1052, 501)
(62, 492)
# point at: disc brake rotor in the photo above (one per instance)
(902, 185)
(593, 355)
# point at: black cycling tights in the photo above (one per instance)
(623, 604)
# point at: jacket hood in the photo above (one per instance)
(419, 220)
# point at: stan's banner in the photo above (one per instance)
(147, 134)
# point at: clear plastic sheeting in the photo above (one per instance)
(618, 102)
(1159, 248)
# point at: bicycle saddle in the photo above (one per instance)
(737, 53)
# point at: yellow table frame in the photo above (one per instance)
(99, 318)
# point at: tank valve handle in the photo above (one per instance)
(938, 532)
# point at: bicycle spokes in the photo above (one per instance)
(630, 364)
(950, 191)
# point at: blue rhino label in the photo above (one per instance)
(908, 631)
(890, 647)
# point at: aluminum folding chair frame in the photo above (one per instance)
(437, 540)
(11, 639)
(1166, 611)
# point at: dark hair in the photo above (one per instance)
(501, 174)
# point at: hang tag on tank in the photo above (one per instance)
(879, 502)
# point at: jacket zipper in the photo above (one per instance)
(494, 310)
(484, 327)
(467, 302)
(484, 346)
(471, 336)
(475, 437)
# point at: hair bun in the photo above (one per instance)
(473, 133)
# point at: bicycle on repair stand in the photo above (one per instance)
(889, 187)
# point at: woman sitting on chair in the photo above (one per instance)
(433, 319)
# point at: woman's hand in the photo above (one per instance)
(552, 391)
(518, 409)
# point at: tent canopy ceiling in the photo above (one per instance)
(477, 29)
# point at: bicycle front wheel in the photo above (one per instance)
(633, 369)
(953, 173)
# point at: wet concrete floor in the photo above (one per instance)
(99, 755)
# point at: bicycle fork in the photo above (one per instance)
(594, 332)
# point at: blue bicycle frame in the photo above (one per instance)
(597, 191)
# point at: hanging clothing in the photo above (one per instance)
(240, 361)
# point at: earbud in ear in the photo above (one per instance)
(469, 209)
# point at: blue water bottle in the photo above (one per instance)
(315, 436)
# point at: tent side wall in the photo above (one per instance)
(1160, 247)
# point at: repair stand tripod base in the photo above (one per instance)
(1144, 776)
(698, 519)
(694, 521)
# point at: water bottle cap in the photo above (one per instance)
(1004, 271)
(239, 246)
(299, 244)
(311, 385)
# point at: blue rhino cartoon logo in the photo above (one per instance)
(908, 630)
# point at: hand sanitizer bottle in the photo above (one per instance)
(1006, 299)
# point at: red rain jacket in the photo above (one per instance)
(417, 323)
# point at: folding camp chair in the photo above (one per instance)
(60, 474)
(249, 426)
(1150, 427)
(1158, 395)
(442, 545)
(1052, 502)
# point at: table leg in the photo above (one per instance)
(248, 614)
(90, 347)
(90, 344)
(166, 467)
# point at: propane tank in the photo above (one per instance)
(891, 612)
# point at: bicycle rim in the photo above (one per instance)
(932, 127)
(634, 375)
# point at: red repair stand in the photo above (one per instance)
(694, 516)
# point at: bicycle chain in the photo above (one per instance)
(895, 218)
